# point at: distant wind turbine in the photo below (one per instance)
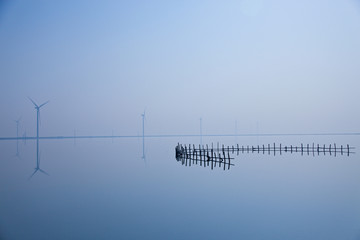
(24, 137)
(17, 136)
(74, 137)
(143, 133)
(201, 131)
(236, 131)
(37, 107)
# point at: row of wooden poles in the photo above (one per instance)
(205, 157)
(206, 153)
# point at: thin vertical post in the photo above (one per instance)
(37, 139)
(274, 149)
(143, 134)
(201, 131)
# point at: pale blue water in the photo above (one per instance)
(99, 189)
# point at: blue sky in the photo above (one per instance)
(286, 66)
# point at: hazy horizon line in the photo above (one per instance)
(184, 135)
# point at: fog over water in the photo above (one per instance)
(243, 67)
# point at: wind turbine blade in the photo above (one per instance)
(39, 117)
(43, 104)
(33, 173)
(44, 172)
(33, 102)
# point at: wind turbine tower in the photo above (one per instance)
(37, 107)
(236, 131)
(201, 131)
(17, 135)
(143, 134)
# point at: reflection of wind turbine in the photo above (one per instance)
(38, 167)
(37, 107)
(143, 133)
(17, 136)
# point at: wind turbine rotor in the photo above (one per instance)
(44, 104)
(18, 120)
(36, 106)
(144, 114)
(39, 110)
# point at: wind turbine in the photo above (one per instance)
(24, 137)
(143, 133)
(74, 137)
(201, 131)
(37, 107)
(236, 131)
(17, 136)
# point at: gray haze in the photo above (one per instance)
(289, 66)
(249, 66)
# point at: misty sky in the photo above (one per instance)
(284, 66)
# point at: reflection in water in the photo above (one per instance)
(37, 138)
(220, 155)
(37, 168)
(121, 193)
(203, 157)
(187, 155)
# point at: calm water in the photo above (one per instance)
(102, 189)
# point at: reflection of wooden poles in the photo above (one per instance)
(280, 148)
(313, 150)
(229, 161)
(341, 150)
(307, 149)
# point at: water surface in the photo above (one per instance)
(103, 189)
